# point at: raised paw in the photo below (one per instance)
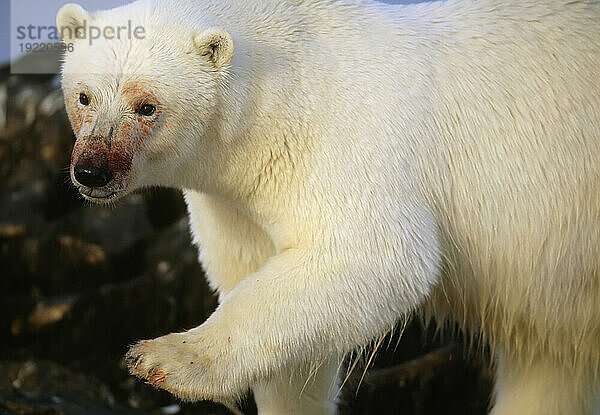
(157, 377)
(184, 364)
(162, 361)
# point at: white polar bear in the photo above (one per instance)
(347, 163)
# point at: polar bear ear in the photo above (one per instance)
(216, 44)
(70, 22)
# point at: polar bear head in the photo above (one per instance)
(141, 90)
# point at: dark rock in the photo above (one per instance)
(38, 387)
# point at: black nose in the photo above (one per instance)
(92, 176)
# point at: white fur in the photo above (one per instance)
(355, 162)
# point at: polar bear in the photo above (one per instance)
(348, 163)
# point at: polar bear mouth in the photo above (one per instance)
(99, 195)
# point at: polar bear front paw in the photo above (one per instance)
(185, 365)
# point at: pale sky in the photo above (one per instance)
(42, 12)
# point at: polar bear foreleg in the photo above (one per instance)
(232, 248)
(300, 391)
(544, 387)
(231, 245)
(296, 310)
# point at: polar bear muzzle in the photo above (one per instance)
(100, 167)
(93, 172)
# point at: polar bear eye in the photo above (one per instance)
(146, 110)
(84, 100)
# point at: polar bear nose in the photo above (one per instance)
(92, 176)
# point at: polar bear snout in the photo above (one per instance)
(100, 172)
(93, 174)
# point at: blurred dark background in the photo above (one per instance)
(78, 283)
